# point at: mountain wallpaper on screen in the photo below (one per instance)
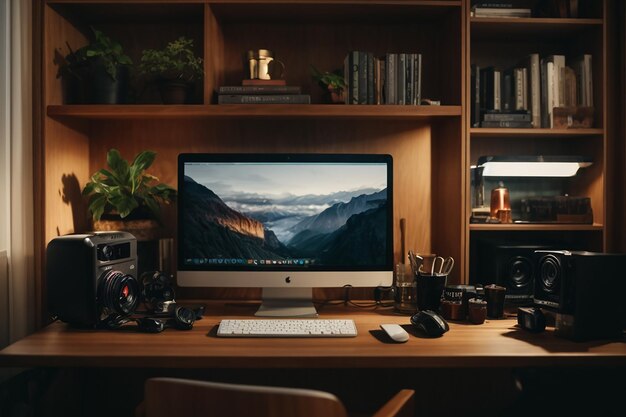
(345, 233)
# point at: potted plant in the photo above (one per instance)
(333, 82)
(125, 197)
(97, 72)
(174, 68)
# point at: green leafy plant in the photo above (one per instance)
(176, 61)
(331, 80)
(109, 51)
(102, 48)
(127, 187)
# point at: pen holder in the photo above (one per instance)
(429, 290)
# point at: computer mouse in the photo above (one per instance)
(395, 332)
(429, 322)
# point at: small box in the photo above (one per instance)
(558, 209)
(573, 117)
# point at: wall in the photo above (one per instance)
(4, 170)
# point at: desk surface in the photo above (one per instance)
(497, 343)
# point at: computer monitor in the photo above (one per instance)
(285, 223)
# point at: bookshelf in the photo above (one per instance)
(425, 141)
(433, 146)
(503, 42)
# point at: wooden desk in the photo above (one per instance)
(464, 364)
(497, 343)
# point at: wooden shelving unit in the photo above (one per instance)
(433, 147)
(503, 43)
(426, 142)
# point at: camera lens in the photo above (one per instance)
(106, 253)
(550, 271)
(118, 292)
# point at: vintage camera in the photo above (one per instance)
(511, 266)
(92, 278)
(584, 289)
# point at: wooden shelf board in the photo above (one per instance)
(155, 111)
(336, 11)
(255, 11)
(529, 28)
(536, 227)
(512, 133)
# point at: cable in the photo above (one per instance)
(347, 301)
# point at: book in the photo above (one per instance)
(370, 79)
(264, 99)
(569, 87)
(494, 4)
(554, 87)
(547, 92)
(507, 123)
(479, 11)
(508, 98)
(475, 95)
(351, 77)
(354, 76)
(259, 89)
(582, 67)
(518, 84)
(534, 88)
(418, 79)
(362, 78)
(401, 79)
(263, 82)
(507, 117)
(390, 79)
(379, 80)
(409, 79)
(492, 88)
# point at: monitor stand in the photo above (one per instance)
(287, 302)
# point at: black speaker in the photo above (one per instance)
(511, 266)
(584, 289)
(91, 278)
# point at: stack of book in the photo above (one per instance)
(395, 78)
(498, 9)
(527, 94)
(262, 92)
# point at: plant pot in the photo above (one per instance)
(142, 229)
(75, 85)
(106, 90)
(174, 91)
(336, 95)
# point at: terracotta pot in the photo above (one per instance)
(336, 96)
(142, 229)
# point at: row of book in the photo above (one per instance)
(526, 95)
(499, 9)
(395, 78)
(262, 92)
(544, 8)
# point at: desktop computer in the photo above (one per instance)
(285, 223)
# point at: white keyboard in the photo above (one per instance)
(287, 328)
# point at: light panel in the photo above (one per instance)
(532, 166)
